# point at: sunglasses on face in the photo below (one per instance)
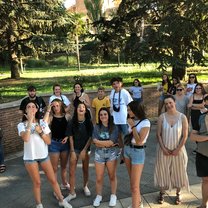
(179, 89)
(198, 88)
(192, 77)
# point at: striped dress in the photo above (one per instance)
(170, 171)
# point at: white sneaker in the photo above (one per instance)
(65, 204)
(70, 197)
(113, 200)
(39, 206)
(65, 187)
(86, 191)
(97, 201)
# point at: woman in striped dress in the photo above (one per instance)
(171, 160)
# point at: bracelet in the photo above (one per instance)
(41, 133)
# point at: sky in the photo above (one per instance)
(69, 3)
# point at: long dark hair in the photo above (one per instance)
(75, 121)
(195, 80)
(138, 109)
(61, 105)
(111, 125)
(24, 118)
(139, 83)
(78, 83)
(168, 81)
(202, 88)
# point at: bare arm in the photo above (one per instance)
(99, 143)
(194, 136)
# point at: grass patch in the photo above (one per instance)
(91, 76)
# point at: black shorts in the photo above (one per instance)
(201, 165)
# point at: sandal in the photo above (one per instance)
(161, 198)
(178, 199)
(2, 168)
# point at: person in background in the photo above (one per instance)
(192, 81)
(79, 131)
(163, 89)
(57, 118)
(2, 165)
(171, 160)
(181, 100)
(172, 89)
(134, 152)
(97, 103)
(196, 104)
(136, 91)
(105, 138)
(80, 96)
(35, 134)
(31, 90)
(58, 95)
(201, 167)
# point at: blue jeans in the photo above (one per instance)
(1, 153)
(123, 128)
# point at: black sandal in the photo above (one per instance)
(2, 168)
(178, 199)
(161, 198)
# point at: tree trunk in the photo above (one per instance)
(15, 74)
(77, 50)
(178, 72)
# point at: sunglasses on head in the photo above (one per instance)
(179, 89)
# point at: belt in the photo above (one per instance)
(137, 147)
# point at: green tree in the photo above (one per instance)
(28, 27)
(173, 33)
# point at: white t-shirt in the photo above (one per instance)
(35, 148)
(63, 98)
(136, 91)
(142, 124)
(191, 87)
(125, 98)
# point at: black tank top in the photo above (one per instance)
(58, 128)
(76, 101)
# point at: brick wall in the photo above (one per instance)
(10, 117)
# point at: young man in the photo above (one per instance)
(32, 96)
(119, 98)
(97, 103)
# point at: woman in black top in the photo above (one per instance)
(59, 147)
(79, 131)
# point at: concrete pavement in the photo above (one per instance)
(16, 186)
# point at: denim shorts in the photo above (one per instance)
(137, 156)
(103, 155)
(36, 160)
(56, 147)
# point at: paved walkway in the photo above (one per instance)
(16, 192)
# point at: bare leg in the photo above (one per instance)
(33, 170)
(204, 192)
(99, 169)
(85, 169)
(64, 160)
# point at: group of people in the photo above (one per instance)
(118, 127)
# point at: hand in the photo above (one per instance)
(130, 122)
(49, 107)
(30, 115)
(175, 152)
(38, 128)
(166, 151)
(64, 141)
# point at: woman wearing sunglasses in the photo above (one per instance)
(192, 81)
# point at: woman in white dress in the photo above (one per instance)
(171, 160)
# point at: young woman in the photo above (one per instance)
(181, 100)
(105, 138)
(196, 103)
(192, 81)
(79, 131)
(171, 159)
(35, 134)
(80, 96)
(136, 91)
(59, 147)
(172, 89)
(58, 95)
(163, 89)
(134, 153)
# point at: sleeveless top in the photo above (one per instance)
(58, 128)
(76, 101)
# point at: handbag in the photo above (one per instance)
(128, 137)
(202, 148)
